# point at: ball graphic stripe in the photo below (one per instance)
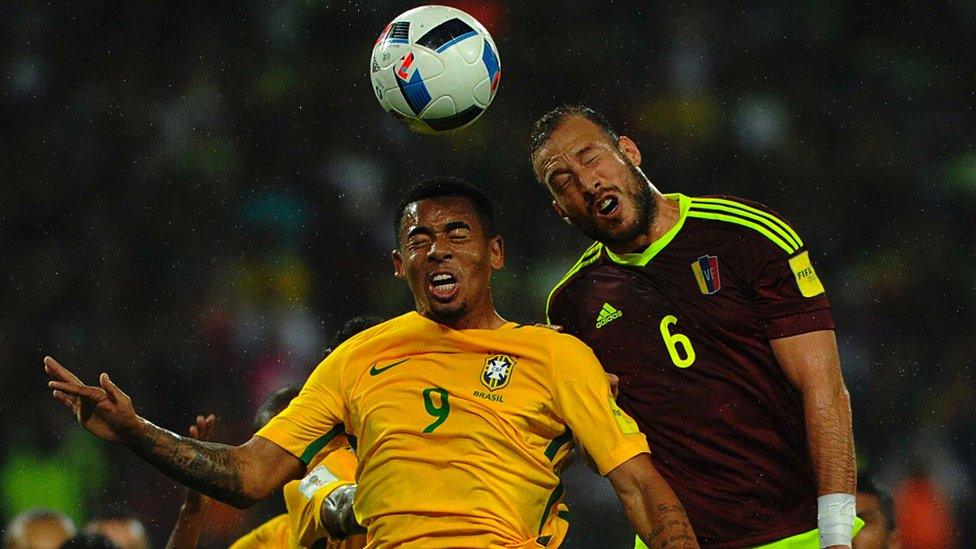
(415, 92)
(448, 32)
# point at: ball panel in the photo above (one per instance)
(442, 107)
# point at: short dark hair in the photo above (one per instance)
(352, 327)
(548, 123)
(273, 405)
(866, 485)
(445, 186)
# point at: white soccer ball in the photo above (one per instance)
(435, 69)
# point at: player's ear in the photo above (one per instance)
(398, 264)
(629, 148)
(496, 251)
(561, 212)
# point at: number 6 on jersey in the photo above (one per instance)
(673, 340)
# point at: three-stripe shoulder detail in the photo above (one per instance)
(765, 223)
(589, 256)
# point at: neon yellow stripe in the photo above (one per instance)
(775, 223)
(642, 259)
(584, 260)
(745, 223)
(749, 215)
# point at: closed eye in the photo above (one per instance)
(418, 242)
(561, 180)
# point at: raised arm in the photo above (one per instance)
(651, 506)
(238, 475)
(812, 364)
(189, 523)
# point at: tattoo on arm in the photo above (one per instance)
(206, 467)
(673, 526)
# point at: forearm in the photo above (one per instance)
(651, 505)
(827, 414)
(188, 526)
(666, 525)
(207, 467)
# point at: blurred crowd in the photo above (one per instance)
(195, 196)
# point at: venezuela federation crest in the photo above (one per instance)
(497, 372)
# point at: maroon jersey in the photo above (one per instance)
(686, 325)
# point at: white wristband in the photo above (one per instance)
(835, 519)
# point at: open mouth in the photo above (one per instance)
(607, 205)
(443, 285)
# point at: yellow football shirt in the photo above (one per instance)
(272, 534)
(459, 432)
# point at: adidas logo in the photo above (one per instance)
(607, 315)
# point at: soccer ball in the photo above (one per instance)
(435, 69)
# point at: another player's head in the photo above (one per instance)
(592, 174)
(38, 529)
(119, 525)
(352, 327)
(447, 247)
(273, 405)
(876, 509)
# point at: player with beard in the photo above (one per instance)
(709, 311)
(461, 419)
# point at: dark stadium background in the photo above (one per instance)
(193, 197)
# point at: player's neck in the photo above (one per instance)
(666, 214)
(484, 317)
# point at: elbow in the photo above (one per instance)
(248, 496)
(243, 501)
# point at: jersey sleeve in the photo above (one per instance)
(303, 498)
(583, 400)
(790, 299)
(273, 533)
(559, 311)
(314, 417)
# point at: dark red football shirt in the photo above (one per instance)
(686, 325)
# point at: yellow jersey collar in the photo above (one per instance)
(640, 259)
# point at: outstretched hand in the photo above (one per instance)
(105, 410)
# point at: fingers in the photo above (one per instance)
(203, 429)
(66, 400)
(112, 390)
(553, 327)
(614, 384)
(210, 426)
(77, 390)
(59, 372)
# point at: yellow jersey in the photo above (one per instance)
(271, 534)
(460, 432)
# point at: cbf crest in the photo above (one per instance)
(497, 372)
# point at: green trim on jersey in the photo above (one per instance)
(319, 443)
(553, 498)
(558, 443)
(643, 258)
(767, 220)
